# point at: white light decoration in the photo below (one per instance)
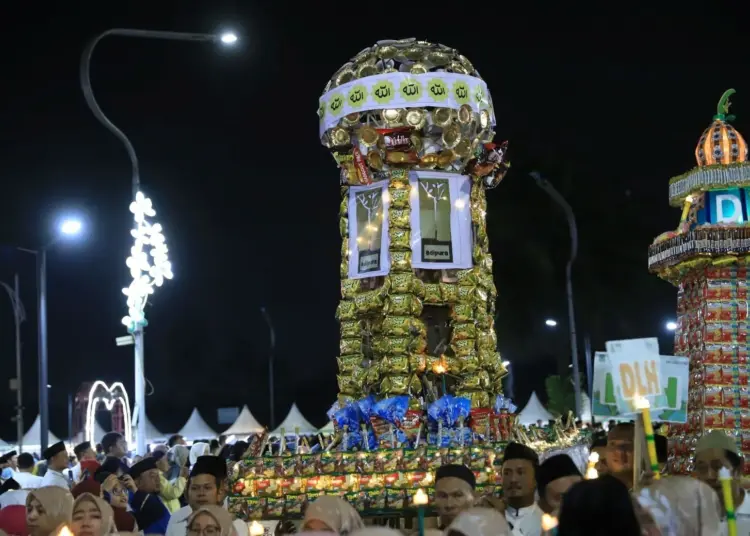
(148, 262)
(101, 393)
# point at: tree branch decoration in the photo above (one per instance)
(435, 192)
(371, 201)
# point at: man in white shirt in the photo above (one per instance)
(454, 492)
(206, 485)
(57, 462)
(519, 468)
(23, 475)
(714, 451)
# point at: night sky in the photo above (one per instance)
(607, 107)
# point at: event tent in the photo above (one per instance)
(294, 423)
(32, 439)
(81, 436)
(328, 429)
(196, 428)
(244, 425)
(534, 411)
(153, 435)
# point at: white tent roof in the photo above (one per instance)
(81, 436)
(33, 438)
(152, 433)
(327, 429)
(295, 420)
(196, 428)
(534, 411)
(245, 424)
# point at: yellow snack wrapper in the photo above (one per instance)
(401, 326)
(371, 375)
(350, 288)
(417, 362)
(466, 294)
(483, 320)
(403, 305)
(400, 218)
(346, 311)
(463, 348)
(344, 206)
(490, 359)
(466, 330)
(350, 346)
(349, 363)
(391, 345)
(432, 293)
(486, 339)
(479, 399)
(467, 364)
(478, 380)
(450, 292)
(397, 364)
(350, 329)
(462, 313)
(399, 198)
(344, 227)
(395, 385)
(415, 385)
(400, 239)
(370, 301)
(469, 277)
(348, 384)
(480, 233)
(400, 261)
(344, 269)
(480, 295)
(418, 345)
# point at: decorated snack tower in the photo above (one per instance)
(707, 259)
(410, 125)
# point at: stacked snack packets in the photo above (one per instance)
(706, 258)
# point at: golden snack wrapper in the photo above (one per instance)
(346, 311)
(350, 288)
(349, 363)
(400, 261)
(483, 320)
(344, 268)
(462, 312)
(449, 292)
(415, 385)
(399, 176)
(399, 198)
(479, 399)
(466, 294)
(480, 295)
(396, 364)
(350, 346)
(344, 207)
(391, 345)
(350, 329)
(399, 218)
(462, 348)
(400, 239)
(345, 249)
(478, 215)
(418, 345)
(371, 375)
(344, 227)
(417, 362)
(403, 305)
(470, 363)
(486, 281)
(395, 385)
(402, 326)
(486, 339)
(487, 263)
(463, 331)
(469, 277)
(405, 284)
(490, 359)
(432, 293)
(348, 384)
(369, 302)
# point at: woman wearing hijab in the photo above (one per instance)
(331, 514)
(198, 450)
(46, 509)
(211, 520)
(681, 506)
(479, 522)
(598, 507)
(178, 457)
(114, 491)
(92, 516)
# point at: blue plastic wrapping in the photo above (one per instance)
(393, 410)
(447, 412)
(503, 402)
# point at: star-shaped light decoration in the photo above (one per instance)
(148, 262)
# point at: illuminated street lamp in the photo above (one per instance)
(671, 325)
(550, 322)
(148, 261)
(69, 227)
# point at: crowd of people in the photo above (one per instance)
(178, 490)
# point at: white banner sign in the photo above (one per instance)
(635, 370)
(403, 90)
(368, 230)
(440, 220)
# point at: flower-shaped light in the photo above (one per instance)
(148, 262)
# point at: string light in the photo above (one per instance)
(148, 262)
(108, 395)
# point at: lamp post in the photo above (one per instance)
(545, 185)
(19, 315)
(146, 275)
(271, 352)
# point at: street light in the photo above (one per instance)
(148, 269)
(19, 315)
(68, 228)
(671, 325)
(551, 323)
(545, 185)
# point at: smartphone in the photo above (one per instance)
(85, 474)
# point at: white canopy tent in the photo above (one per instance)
(196, 428)
(32, 439)
(153, 435)
(533, 412)
(80, 437)
(295, 423)
(328, 429)
(245, 424)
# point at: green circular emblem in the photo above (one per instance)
(437, 90)
(461, 92)
(411, 90)
(383, 92)
(357, 96)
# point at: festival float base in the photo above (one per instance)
(708, 258)
(381, 482)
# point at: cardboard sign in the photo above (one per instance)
(635, 370)
(673, 376)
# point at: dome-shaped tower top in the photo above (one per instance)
(720, 142)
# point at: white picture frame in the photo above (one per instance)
(368, 230)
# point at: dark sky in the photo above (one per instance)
(608, 107)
